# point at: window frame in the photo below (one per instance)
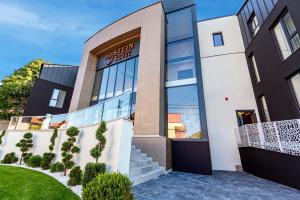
(222, 39)
(287, 35)
(57, 99)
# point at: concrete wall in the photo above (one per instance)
(116, 154)
(225, 74)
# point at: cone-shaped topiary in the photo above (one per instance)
(68, 148)
(25, 144)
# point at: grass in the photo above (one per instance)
(23, 184)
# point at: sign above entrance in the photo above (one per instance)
(118, 55)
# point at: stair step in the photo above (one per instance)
(148, 176)
(143, 169)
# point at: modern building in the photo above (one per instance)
(187, 84)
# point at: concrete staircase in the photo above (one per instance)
(142, 168)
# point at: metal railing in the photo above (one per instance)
(279, 136)
(112, 109)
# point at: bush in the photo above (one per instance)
(10, 158)
(47, 160)
(75, 176)
(34, 161)
(108, 186)
(91, 170)
(57, 167)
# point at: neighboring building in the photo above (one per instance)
(185, 84)
(52, 91)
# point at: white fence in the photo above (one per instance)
(279, 136)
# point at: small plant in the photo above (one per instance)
(75, 176)
(48, 157)
(57, 167)
(1, 136)
(34, 161)
(10, 158)
(108, 186)
(91, 170)
(47, 160)
(97, 150)
(24, 145)
(68, 149)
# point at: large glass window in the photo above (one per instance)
(180, 25)
(295, 82)
(265, 108)
(111, 81)
(183, 112)
(57, 98)
(286, 35)
(120, 79)
(254, 65)
(104, 84)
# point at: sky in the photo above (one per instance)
(55, 30)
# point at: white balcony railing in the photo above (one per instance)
(279, 136)
(112, 109)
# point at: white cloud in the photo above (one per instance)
(17, 16)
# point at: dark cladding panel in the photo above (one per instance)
(263, 9)
(171, 5)
(270, 5)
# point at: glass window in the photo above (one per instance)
(253, 24)
(286, 35)
(265, 109)
(254, 65)
(111, 81)
(183, 112)
(120, 79)
(57, 98)
(129, 75)
(181, 70)
(96, 88)
(104, 84)
(180, 25)
(295, 82)
(218, 39)
(180, 50)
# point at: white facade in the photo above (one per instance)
(227, 88)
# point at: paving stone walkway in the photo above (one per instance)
(220, 186)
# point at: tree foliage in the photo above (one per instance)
(68, 149)
(97, 150)
(15, 89)
(25, 144)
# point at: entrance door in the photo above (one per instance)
(246, 117)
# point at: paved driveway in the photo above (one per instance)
(221, 185)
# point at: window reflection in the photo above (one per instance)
(183, 112)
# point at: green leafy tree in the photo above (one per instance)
(25, 144)
(68, 149)
(97, 150)
(15, 89)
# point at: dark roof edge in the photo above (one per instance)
(159, 2)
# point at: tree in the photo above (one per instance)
(15, 89)
(97, 150)
(68, 149)
(25, 143)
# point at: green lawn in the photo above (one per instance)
(23, 184)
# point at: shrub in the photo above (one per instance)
(91, 170)
(1, 136)
(10, 158)
(68, 148)
(24, 145)
(47, 160)
(108, 186)
(57, 167)
(75, 176)
(34, 161)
